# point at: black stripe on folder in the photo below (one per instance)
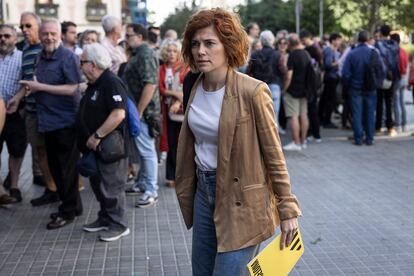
(295, 235)
(300, 246)
(294, 245)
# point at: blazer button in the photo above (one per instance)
(238, 203)
(236, 179)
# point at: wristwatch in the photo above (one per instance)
(96, 136)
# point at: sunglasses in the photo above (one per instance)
(28, 26)
(6, 36)
(129, 35)
(82, 62)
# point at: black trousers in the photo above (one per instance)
(109, 190)
(386, 96)
(314, 126)
(347, 110)
(173, 130)
(282, 115)
(328, 100)
(62, 155)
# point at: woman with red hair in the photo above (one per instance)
(172, 74)
(232, 182)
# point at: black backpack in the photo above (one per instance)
(370, 73)
(313, 80)
(261, 66)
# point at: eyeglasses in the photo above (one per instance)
(6, 36)
(28, 26)
(283, 43)
(82, 62)
(129, 35)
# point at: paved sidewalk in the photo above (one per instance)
(357, 219)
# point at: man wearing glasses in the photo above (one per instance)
(14, 130)
(55, 86)
(29, 25)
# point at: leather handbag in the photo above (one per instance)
(112, 147)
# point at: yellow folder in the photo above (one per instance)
(274, 262)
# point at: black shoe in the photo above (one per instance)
(58, 223)
(16, 194)
(96, 226)
(7, 182)
(114, 234)
(47, 197)
(6, 199)
(57, 214)
(39, 180)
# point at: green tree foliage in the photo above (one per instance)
(178, 19)
(345, 16)
(276, 15)
(370, 14)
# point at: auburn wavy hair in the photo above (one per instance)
(229, 30)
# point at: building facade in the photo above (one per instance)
(86, 14)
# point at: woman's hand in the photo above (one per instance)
(288, 228)
(175, 107)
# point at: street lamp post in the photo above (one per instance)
(297, 14)
(321, 19)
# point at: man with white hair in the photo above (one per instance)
(102, 111)
(264, 66)
(29, 25)
(55, 86)
(113, 30)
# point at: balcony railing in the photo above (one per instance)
(94, 12)
(47, 10)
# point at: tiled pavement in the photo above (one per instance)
(357, 219)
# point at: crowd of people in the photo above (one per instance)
(72, 97)
(362, 81)
(67, 94)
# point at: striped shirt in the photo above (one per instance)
(30, 53)
(10, 72)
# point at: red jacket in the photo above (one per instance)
(403, 61)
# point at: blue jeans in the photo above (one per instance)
(400, 113)
(148, 172)
(276, 95)
(205, 258)
(363, 109)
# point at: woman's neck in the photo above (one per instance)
(215, 80)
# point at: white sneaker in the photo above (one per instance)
(304, 145)
(292, 147)
(282, 131)
(163, 157)
(318, 140)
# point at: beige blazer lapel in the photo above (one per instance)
(227, 124)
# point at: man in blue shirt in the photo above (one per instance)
(358, 61)
(55, 86)
(29, 25)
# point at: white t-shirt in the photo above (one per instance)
(169, 78)
(203, 119)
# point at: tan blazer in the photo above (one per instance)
(253, 186)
